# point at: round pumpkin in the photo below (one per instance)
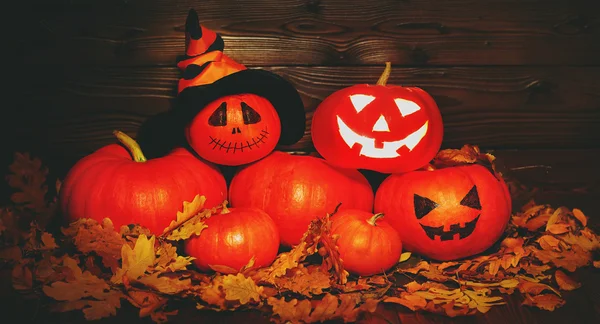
(295, 189)
(233, 238)
(385, 128)
(235, 130)
(448, 213)
(123, 185)
(367, 244)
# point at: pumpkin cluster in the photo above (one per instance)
(232, 116)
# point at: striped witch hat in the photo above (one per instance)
(209, 74)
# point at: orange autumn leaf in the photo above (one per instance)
(580, 216)
(564, 281)
(544, 301)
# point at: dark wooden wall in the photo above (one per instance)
(513, 74)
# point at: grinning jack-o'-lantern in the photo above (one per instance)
(448, 213)
(234, 130)
(232, 115)
(385, 128)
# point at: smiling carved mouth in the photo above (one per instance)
(462, 232)
(230, 146)
(389, 149)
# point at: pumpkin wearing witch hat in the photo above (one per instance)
(232, 115)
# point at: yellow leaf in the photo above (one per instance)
(137, 260)
(241, 288)
(190, 209)
(405, 256)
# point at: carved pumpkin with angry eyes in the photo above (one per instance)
(385, 128)
(448, 213)
(235, 130)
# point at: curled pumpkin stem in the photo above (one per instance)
(132, 146)
(385, 75)
(373, 220)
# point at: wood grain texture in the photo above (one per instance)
(314, 32)
(73, 111)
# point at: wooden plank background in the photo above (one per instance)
(507, 74)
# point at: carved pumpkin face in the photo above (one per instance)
(389, 129)
(448, 213)
(235, 130)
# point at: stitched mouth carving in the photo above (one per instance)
(455, 230)
(235, 146)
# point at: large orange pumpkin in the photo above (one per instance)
(385, 128)
(448, 213)
(125, 187)
(295, 189)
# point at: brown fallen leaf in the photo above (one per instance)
(544, 301)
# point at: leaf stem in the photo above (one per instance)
(132, 146)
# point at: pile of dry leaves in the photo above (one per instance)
(93, 267)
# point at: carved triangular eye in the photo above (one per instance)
(423, 206)
(250, 115)
(219, 116)
(472, 199)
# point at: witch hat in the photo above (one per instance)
(209, 74)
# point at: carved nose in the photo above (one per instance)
(235, 130)
(381, 125)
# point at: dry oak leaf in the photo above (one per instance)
(307, 281)
(99, 237)
(29, 177)
(136, 261)
(79, 287)
(409, 300)
(168, 260)
(330, 307)
(166, 284)
(564, 281)
(190, 221)
(93, 309)
(147, 301)
(241, 288)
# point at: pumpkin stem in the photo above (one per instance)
(225, 210)
(373, 220)
(132, 146)
(385, 75)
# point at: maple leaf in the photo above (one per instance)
(241, 288)
(564, 281)
(136, 261)
(90, 236)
